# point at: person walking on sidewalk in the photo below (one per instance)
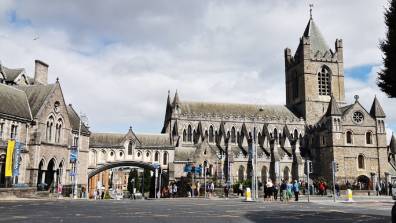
(275, 191)
(337, 189)
(296, 189)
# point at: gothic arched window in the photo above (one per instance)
(324, 81)
(184, 135)
(189, 133)
(233, 135)
(165, 159)
(349, 137)
(130, 148)
(156, 157)
(361, 161)
(50, 124)
(211, 135)
(369, 138)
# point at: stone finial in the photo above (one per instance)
(310, 10)
(356, 98)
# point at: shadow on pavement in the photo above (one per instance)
(314, 216)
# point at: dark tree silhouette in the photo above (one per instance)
(387, 76)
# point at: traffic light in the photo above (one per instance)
(337, 168)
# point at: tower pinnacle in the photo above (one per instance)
(310, 10)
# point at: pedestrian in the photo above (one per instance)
(377, 188)
(265, 191)
(284, 196)
(275, 191)
(269, 190)
(296, 189)
(240, 189)
(102, 196)
(289, 187)
(390, 188)
(198, 188)
(321, 188)
(226, 190)
(337, 189)
(212, 188)
(174, 190)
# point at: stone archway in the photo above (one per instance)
(241, 173)
(363, 182)
(286, 173)
(41, 175)
(95, 175)
(50, 175)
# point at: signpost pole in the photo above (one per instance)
(333, 167)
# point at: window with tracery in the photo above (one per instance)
(349, 139)
(211, 134)
(324, 81)
(233, 135)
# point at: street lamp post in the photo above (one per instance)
(77, 154)
(254, 148)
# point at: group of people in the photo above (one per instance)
(287, 190)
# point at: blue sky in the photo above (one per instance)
(117, 60)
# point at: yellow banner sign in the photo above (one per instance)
(10, 153)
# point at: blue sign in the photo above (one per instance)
(188, 168)
(72, 174)
(17, 155)
(73, 155)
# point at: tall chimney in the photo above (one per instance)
(40, 72)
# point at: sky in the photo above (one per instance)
(116, 60)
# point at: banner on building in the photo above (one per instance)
(73, 154)
(9, 156)
(188, 168)
(17, 155)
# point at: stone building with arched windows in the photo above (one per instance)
(315, 124)
(34, 113)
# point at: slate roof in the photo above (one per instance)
(184, 154)
(318, 43)
(36, 95)
(345, 108)
(279, 111)
(11, 74)
(392, 144)
(333, 108)
(117, 140)
(376, 109)
(13, 102)
(155, 140)
(106, 139)
(74, 120)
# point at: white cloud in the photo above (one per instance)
(117, 61)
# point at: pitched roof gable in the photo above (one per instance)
(376, 109)
(14, 103)
(37, 95)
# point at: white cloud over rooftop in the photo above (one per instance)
(116, 60)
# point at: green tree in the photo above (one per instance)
(133, 174)
(387, 76)
(147, 180)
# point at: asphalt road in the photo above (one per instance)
(187, 210)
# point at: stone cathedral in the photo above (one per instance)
(316, 124)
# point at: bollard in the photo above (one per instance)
(248, 195)
(349, 195)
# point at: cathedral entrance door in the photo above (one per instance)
(363, 182)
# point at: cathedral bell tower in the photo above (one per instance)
(313, 74)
